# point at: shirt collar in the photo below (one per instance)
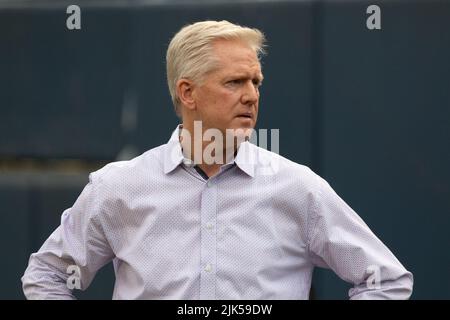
(173, 156)
(246, 159)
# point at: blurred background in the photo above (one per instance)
(368, 110)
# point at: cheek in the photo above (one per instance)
(220, 103)
(216, 97)
(225, 100)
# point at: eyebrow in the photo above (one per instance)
(260, 76)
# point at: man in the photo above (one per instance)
(182, 223)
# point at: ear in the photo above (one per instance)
(185, 88)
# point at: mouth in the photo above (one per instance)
(245, 116)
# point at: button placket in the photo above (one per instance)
(208, 241)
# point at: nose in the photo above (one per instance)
(250, 94)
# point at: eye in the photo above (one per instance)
(257, 83)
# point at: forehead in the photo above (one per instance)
(236, 56)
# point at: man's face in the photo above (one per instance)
(228, 97)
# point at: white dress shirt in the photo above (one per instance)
(255, 230)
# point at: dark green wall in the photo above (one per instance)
(367, 110)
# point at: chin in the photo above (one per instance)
(242, 131)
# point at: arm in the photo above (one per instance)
(79, 242)
(340, 240)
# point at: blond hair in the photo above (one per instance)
(190, 51)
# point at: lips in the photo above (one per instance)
(245, 115)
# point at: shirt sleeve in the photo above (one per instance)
(339, 239)
(73, 253)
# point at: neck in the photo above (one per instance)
(209, 151)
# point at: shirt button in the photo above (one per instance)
(209, 184)
(208, 268)
(209, 226)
